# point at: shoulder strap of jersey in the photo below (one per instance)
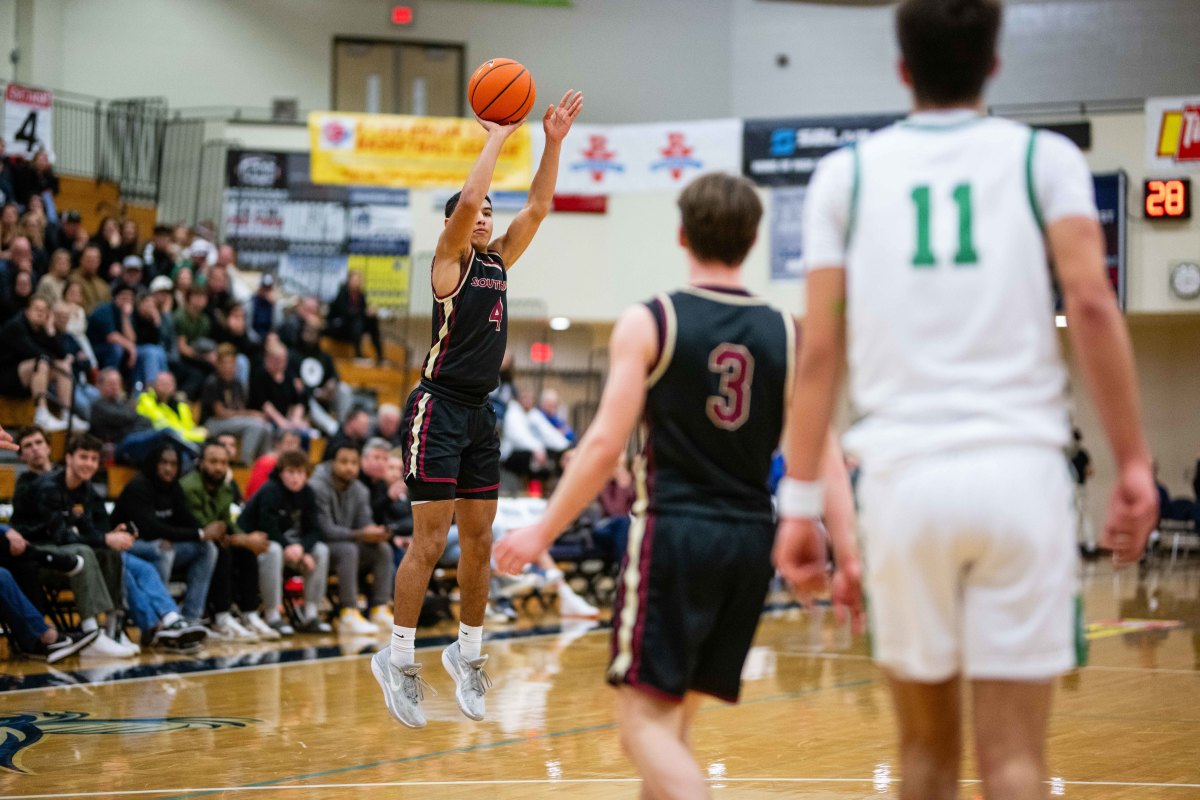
(662, 308)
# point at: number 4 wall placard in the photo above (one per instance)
(27, 120)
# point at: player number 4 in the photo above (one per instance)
(497, 315)
(923, 201)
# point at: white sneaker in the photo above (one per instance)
(105, 647)
(258, 626)
(351, 621)
(75, 423)
(49, 423)
(126, 642)
(229, 629)
(515, 587)
(382, 616)
(572, 605)
(551, 577)
(493, 616)
(470, 681)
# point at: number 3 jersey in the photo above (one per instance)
(715, 403)
(470, 332)
(938, 222)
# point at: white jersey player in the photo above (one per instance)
(927, 254)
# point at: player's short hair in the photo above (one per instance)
(720, 217)
(83, 441)
(452, 203)
(28, 431)
(293, 459)
(949, 46)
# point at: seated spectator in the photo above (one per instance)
(223, 408)
(210, 497)
(354, 433)
(285, 508)
(148, 331)
(10, 218)
(220, 298)
(232, 451)
(130, 236)
(33, 226)
(110, 330)
(350, 317)
(548, 407)
(158, 255)
(285, 440)
(18, 297)
(69, 235)
(107, 241)
(193, 333)
(262, 309)
(32, 359)
(356, 544)
(278, 392)
(35, 638)
(74, 513)
(115, 420)
(53, 283)
(387, 424)
(328, 398)
(528, 444)
(233, 332)
(373, 473)
(57, 513)
(168, 536)
(306, 313)
(133, 273)
(611, 530)
(227, 260)
(159, 404)
(36, 178)
(91, 281)
(25, 563)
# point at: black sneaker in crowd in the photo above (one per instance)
(58, 562)
(68, 644)
(180, 635)
(314, 625)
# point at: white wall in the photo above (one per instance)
(635, 59)
(842, 59)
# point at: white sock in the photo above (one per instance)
(404, 640)
(470, 640)
(554, 577)
(89, 625)
(310, 610)
(223, 618)
(170, 618)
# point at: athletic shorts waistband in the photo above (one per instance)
(453, 396)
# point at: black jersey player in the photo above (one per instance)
(452, 456)
(708, 369)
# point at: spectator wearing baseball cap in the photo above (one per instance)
(132, 273)
(262, 309)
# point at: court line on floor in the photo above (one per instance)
(180, 669)
(1089, 667)
(551, 782)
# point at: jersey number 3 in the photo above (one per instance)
(497, 315)
(731, 407)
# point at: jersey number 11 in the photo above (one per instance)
(965, 256)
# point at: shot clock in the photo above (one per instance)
(1167, 198)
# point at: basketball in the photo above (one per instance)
(501, 90)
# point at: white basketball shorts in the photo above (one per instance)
(971, 565)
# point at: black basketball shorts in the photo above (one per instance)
(690, 595)
(451, 450)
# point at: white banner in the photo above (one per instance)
(1172, 136)
(27, 121)
(658, 157)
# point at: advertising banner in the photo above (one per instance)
(784, 152)
(787, 243)
(28, 121)
(413, 152)
(1172, 136)
(659, 157)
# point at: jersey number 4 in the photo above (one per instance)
(497, 315)
(924, 258)
(730, 408)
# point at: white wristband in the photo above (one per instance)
(803, 499)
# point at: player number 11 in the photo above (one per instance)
(924, 257)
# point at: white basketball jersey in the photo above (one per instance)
(938, 221)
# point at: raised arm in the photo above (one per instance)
(453, 251)
(556, 123)
(631, 352)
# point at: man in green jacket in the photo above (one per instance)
(242, 558)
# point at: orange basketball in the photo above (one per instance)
(502, 91)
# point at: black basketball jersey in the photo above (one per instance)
(470, 332)
(716, 402)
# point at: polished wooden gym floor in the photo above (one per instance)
(306, 720)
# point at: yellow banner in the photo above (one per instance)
(385, 279)
(411, 152)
